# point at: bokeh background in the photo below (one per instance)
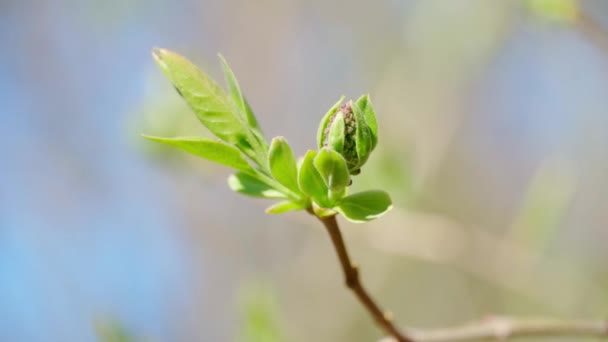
(493, 144)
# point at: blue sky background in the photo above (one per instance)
(96, 225)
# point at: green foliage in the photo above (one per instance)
(332, 167)
(253, 186)
(311, 182)
(282, 164)
(351, 130)
(214, 151)
(364, 143)
(211, 105)
(365, 206)
(364, 103)
(335, 139)
(346, 137)
(286, 206)
(325, 121)
(239, 99)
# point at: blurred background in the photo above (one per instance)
(493, 146)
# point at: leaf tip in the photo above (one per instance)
(279, 139)
(221, 57)
(149, 137)
(158, 54)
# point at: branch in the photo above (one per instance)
(351, 276)
(502, 328)
(493, 327)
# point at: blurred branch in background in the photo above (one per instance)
(494, 259)
(571, 12)
(503, 328)
(544, 205)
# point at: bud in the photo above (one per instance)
(344, 129)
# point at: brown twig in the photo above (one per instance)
(503, 328)
(351, 276)
(494, 327)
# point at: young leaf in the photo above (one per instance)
(365, 206)
(209, 102)
(285, 206)
(365, 104)
(363, 136)
(332, 167)
(323, 212)
(325, 121)
(209, 149)
(311, 182)
(335, 139)
(282, 164)
(239, 99)
(249, 185)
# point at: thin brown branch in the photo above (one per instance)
(351, 276)
(503, 328)
(494, 327)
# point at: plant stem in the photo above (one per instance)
(351, 276)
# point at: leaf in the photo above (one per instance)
(252, 186)
(365, 104)
(332, 167)
(239, 99)
(311, 182)
(335, 140)
(209, 149)
(282, 164)
(363, 136)
(365, 206)
(325, 121)
(208, 101)
(285, 206)
(323, 212)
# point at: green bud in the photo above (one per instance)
(344, 129)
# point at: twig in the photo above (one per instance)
(351, 276)
(493, 327)
(503, 328)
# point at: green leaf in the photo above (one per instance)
(365, 206)
(323, 212)
(282, 164)
(311, 182)
(363, 136)
(209, 149)
(209, 102)
(365, 104)
(332, 167)
(325, 121)
(239, 99)
(285, 206)
(253, 186)
(335, 140)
